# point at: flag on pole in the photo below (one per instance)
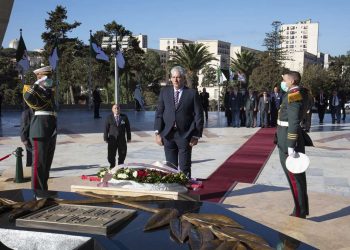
(232, 74)
(120, 60)
(22, 56)
(221, 77)
(96, 50)
(53, 57)
(241, 77)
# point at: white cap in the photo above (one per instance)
(298, 164)
(43, 70)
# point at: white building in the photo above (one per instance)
(234, 50)
(220, 50)
(302, 36)
(168, 44)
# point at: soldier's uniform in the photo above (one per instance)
(42, 131)
(289, 134)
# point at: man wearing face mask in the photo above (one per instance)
(43, 125)
(290, 139)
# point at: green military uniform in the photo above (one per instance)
(289, 135)
(42, 133)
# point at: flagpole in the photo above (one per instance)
(21, 72)
(90, 79)
(57, 78)
(116, 85)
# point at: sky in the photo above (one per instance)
(240, 22)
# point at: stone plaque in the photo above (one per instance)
(77, 218)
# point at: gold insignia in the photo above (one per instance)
(294, 97)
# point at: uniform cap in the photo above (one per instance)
(43, 70)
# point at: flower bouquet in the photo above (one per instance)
(153, 177)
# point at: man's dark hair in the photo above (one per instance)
(296, 76)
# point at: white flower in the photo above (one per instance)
(127, 170)
(122, 176)
(102, 173)
(134, 174)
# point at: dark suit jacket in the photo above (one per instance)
(204, 99)
(264, 106)
(250, 103)
(112, 129)
(188, 115)
(236, 101)
(276, 101)
(318, 101)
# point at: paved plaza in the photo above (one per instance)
(81, 150)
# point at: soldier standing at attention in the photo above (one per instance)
(43, 125)
(290, 139)
(26, 118)
(116, 128)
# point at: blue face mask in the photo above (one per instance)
(284, 86)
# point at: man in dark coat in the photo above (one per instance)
(117, 133)
(97, 102)
(264, 109)
(27, 114)
(204, 96)
(321, 103)
(290, 139)
(236, 104)
(43, 125)
(178, 121)
(250, 105)
(276, 100)
(228, 113)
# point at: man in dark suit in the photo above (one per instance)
(276, 100)
(227, 106)
(178, 121)
(205, 102)
(97, 102)
(264, 109)
(27, 114)
(43, 125)
(236, 105)
(321, 103)
(335, 107)
(116, 128)
(250, 105)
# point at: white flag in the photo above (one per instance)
(222, 78)
(120, 60)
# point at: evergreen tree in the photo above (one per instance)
(273, 42)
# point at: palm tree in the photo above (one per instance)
(192, 57)
(245, 63)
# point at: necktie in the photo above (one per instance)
(321, 98)
(177, 93)
(334, 101)
(117, 119)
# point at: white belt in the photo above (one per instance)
(282, 123)
(45, 113)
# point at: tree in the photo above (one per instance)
(71, 51)
(273, 42)
(209, 76)
(267, 74)
(192, 57)
(315, 77)
(245, 63)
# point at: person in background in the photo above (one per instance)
(116, 134)
(97, 102)
(178, 121)
(306, 123)
(228, 113)
(26, 117)
(0, 102)
(342, 96)
(276, 100)
(242, 113)
(264, 108)
(334, 106)
(255, 113)
(235, 104)
(250, 105)
(204, 96)
(43, 126)
(321, 103)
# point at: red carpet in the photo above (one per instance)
(244, 165)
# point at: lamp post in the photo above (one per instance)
(111, 41)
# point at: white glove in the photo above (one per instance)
(292, 153)
(43, 79)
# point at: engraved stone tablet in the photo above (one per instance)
(77, 218)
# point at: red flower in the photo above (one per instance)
(141, 173)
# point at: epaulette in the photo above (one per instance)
(294, 96)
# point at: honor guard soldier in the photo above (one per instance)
(42, 133)
(290, 137)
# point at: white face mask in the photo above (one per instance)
(284, 86)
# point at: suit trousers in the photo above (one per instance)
(114, 145)
(97, 109)
(235, 118)
(43, 152)
(321, 110)
(264, 118)
(249, 117)
(178, 151)
(335, 113)
(274, 115)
